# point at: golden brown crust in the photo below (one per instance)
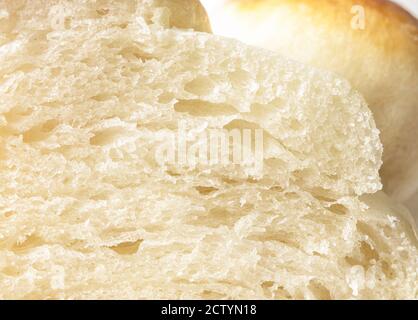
(384, 19)
(384, 7)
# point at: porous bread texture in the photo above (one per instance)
(87, 212)
(63, 15)
(91, 89)
(277, 245)
(380, 60)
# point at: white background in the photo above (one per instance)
(411, 5)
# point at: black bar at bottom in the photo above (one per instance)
(197, 309)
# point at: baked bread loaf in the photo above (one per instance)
(88, 210)
(372, 43)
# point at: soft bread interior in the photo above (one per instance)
(371, 43)
(87, 211)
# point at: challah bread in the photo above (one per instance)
(87, 210)
(373, 43)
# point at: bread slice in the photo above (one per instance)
(238, 242)
(98, 87)
(372, 43)
(60, 15)
(88, 210)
